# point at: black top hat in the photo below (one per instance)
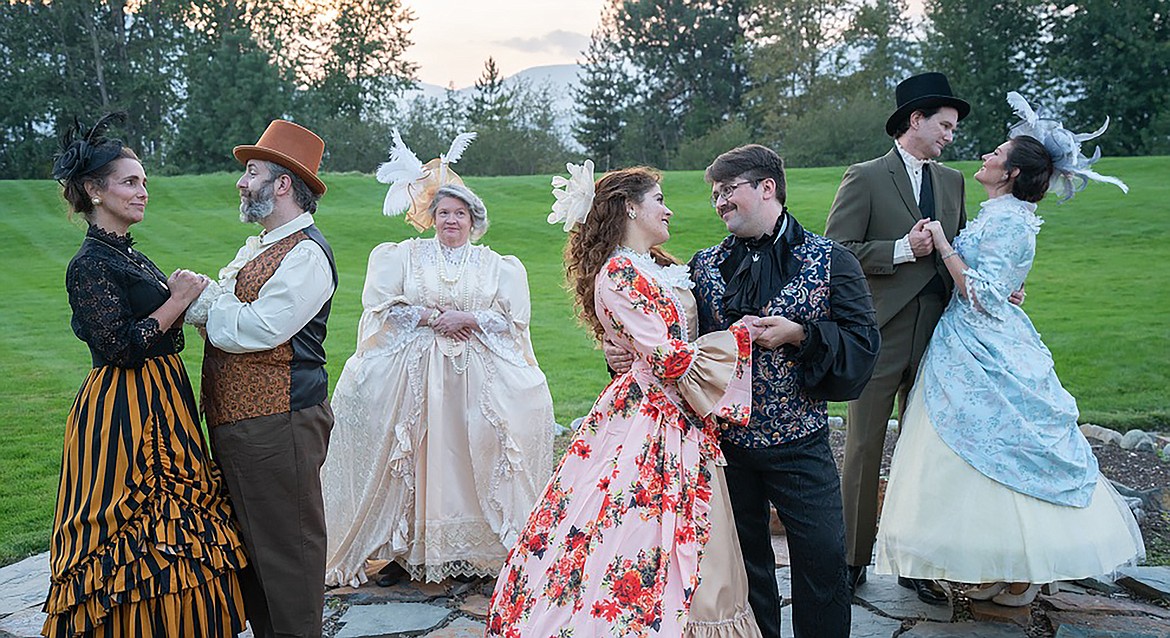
(924, 91)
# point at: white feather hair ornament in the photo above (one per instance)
(574, 195)
(1072, 170)
(413, 184)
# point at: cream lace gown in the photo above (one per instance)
(440, 447)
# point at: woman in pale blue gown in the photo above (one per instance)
(992, 481)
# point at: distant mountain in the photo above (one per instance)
(560, 78)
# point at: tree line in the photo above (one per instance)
(669, 83)
(674, 82)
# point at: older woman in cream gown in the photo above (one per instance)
(444, 422)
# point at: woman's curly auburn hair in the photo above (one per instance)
(592, 243)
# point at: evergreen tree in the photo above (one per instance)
(688, 74)
(30, 83)
(986, 50)
(359, 63)
(601, 98)
(491, 104)
(792, 66)
(233, 92)
(1115, 54)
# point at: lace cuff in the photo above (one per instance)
(387, 329)
(718, 382)
(198, 310)
(985, 296)
(491, 321)
(504, 345)
(404, 317)
(902, 251)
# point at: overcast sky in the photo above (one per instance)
(453, 38)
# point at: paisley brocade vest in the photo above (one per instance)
(781, 409)
(286, 378)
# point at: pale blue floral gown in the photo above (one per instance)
(992, 479)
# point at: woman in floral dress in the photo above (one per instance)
(633, 535)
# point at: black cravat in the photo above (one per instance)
(756, 270)
(926, 199)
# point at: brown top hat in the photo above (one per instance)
(293, 147)
(924, 91)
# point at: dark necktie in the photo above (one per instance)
(926, 199)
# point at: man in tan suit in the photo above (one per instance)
(880, 213)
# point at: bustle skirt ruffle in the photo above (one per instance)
(143, 541)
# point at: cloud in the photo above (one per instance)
(559, 41)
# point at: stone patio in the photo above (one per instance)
(881, 608)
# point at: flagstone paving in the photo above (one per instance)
(881, 608)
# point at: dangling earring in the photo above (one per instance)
(96, 201)
(632, 214)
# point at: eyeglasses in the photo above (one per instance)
(727, 190)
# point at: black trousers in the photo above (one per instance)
(800, 480)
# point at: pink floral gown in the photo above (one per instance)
(613, 546)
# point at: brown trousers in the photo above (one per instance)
(904, 340)
(272, 467)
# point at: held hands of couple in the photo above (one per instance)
(934, 227)
(938, 237)
(453, 324)
(775, 331)
(766, 332)
(922, 241)
(185, 285)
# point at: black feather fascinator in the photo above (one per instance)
(83, 152)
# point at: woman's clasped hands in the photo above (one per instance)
(453, 324)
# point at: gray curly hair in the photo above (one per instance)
(479, 218)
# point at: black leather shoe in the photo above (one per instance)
(928, 591)
(389, 575)
(856, 577)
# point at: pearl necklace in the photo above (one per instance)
(461, 298)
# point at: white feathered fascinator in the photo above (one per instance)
(1072, 169)
(413, 184)
(575, 196)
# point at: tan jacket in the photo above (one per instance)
(875, 206)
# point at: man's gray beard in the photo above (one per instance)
(253, 210)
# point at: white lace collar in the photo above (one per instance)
(672, 276)
(1009, 205)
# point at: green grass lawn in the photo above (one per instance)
(1097, 294)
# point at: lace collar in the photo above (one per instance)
(113, 240)
(453, 255)
(672, 276)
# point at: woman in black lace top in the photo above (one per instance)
(143, 541)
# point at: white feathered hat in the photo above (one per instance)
(413, 184)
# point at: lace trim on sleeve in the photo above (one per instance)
(103, 318)
(491, 321)
(505, 346)
(384, 331)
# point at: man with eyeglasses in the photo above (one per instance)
(820, 345)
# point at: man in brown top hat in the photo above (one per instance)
(880, 213)
(264, 379)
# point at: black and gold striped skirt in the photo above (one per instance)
(143, 538)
